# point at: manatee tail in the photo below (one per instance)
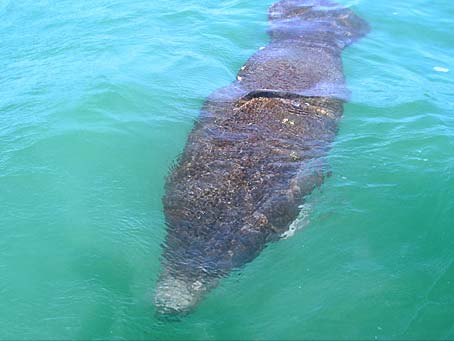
(301, 18)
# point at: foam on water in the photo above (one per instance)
(301, 222)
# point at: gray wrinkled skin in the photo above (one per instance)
(256, 151)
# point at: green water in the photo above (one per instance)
(96, 101)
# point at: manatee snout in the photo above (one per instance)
(176, 295)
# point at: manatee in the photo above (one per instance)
(256, 151)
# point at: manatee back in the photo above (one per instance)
(285, 67)
(304, 55)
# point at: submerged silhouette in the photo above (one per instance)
(256, 151)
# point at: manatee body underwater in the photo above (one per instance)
(256, 151)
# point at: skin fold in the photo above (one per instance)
(256, 151)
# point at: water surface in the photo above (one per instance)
(96, 101)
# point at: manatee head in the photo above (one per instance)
(188, 273)
(176, 295)
(193, 268)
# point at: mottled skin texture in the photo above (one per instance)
(256, 151)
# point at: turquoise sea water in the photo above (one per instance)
(96, 101)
